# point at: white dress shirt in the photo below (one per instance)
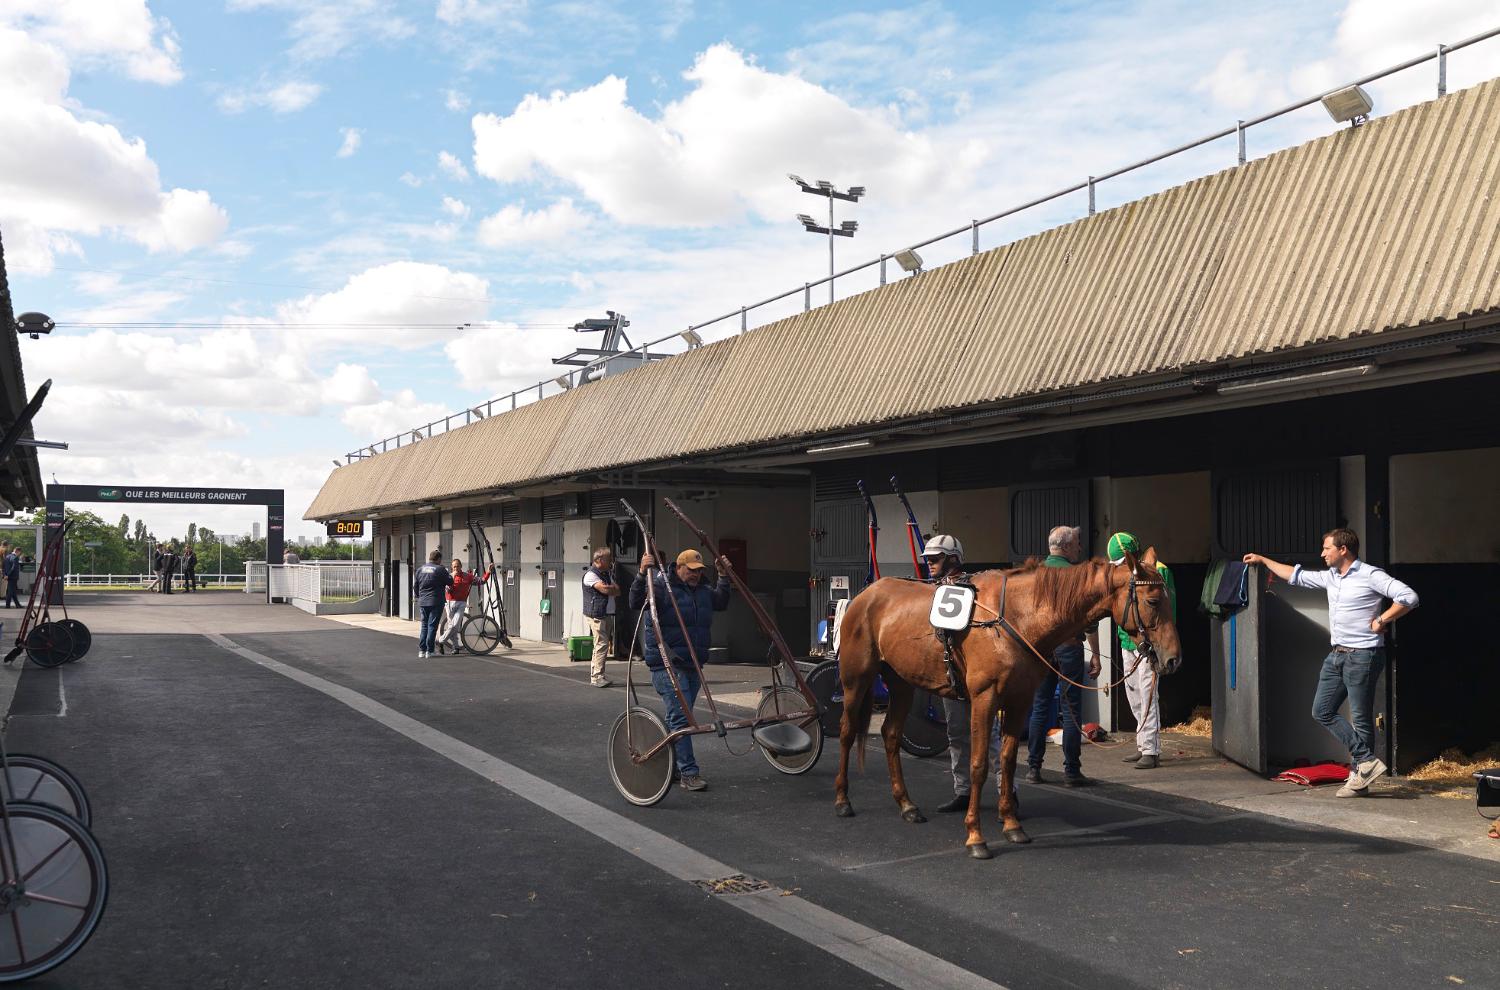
(1354, 599)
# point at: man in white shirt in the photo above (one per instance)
(1356, 628)
(601, 596)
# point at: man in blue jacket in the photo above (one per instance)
(697, 602)
(430, 583)
(12, 573)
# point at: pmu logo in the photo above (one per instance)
(111, 494)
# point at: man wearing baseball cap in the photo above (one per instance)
(1140, 679)
(697, 603)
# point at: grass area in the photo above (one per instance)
(141, 587)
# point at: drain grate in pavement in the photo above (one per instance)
(737, 884)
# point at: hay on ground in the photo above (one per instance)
(1201, 724)
(1454, 767)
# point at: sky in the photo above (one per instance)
(275, 231)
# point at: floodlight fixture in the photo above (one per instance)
(337, 464)
(807, 221)
(850, 225)
(1350, 104)
(909, 260)
(825, 185)
(822, 187)
(34, 324)
(856, 191)
(417, 435)
(693, 339)
(564, 382)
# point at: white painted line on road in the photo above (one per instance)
(878, 954)
(62, 696)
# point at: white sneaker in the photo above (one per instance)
(1366, 773)
(1350, 791)
(421, 654)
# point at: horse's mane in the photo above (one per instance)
(1063, 589)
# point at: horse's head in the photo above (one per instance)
(1142, 607)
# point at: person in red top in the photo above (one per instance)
(458, 601)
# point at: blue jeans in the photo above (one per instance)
(1068, 659)
(1353, 676)
(427, 638)
(687, 766)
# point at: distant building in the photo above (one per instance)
(255, 531)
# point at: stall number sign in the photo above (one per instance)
(952, 605)
(551, 579)
(510, 577)
(838, 582)
(346, 527)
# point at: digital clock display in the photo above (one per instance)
(346, 527)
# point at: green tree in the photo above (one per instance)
(124, 526)
(192, 534)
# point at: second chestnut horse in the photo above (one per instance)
(1043, 607)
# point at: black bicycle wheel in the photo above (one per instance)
(41, 781)
(82, 639)
(829, 690)
(49, 644)
(787, 699)
(925, 732)
(480, 634)
(645, 783)
(57, 895)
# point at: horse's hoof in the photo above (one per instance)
(844, 809)
(1017, 836)
(980, 851)
(913, 815)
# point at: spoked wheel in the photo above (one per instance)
(480, 634)
(49, 644)
(786, 699)
(82, 640)
(641, 783)
(55, 899)
(926, 731)
(826, 687)
(40, 781)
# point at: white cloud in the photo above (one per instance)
(377, 420)
(328, 28)
(62, 175)
(514, 225)
(352, 138)
(284, 97)
(403, 293)
(455, 101)
(350, 385)
(498, 360)
(452, 166)
(414, 181)
(722, 149)
(118, 33)
(460, 13)
(455, 207)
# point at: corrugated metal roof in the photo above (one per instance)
(1369, 229)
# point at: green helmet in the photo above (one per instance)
(1120, 544)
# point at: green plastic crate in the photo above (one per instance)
(580, 647)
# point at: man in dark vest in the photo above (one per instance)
(697, 603)
(601, 597)
(168, 570)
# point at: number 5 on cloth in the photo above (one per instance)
(952, 606)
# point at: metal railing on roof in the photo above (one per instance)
(689, 335)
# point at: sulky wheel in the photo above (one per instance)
(785, 699)
(480, 634)
(926, 731)
(38, 780)
(824, 683)
(61, 895)
(637, 731)
(82, 640)
(49, 644)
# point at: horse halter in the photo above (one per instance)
(1133, 608)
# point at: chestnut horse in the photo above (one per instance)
(1018, 614)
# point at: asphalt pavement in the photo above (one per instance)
(290, 802)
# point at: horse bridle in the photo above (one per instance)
(1144, 646)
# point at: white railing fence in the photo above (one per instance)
(130, 580)
(321, 581)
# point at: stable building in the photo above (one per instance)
(1238, 363)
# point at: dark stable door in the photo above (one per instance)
(510, 568)
(553, 581)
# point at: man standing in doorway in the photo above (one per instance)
(1356, 629)
(1140, 678)
(10, 564)
(1064, 549)
(431, 582)
(697, 603)
(601, 596)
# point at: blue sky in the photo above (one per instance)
(257, 166)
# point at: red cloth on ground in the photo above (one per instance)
(1319, 773)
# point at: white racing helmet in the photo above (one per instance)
(943, 545)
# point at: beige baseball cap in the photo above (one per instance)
(691, 559)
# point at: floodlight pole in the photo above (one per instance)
(826, 189)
